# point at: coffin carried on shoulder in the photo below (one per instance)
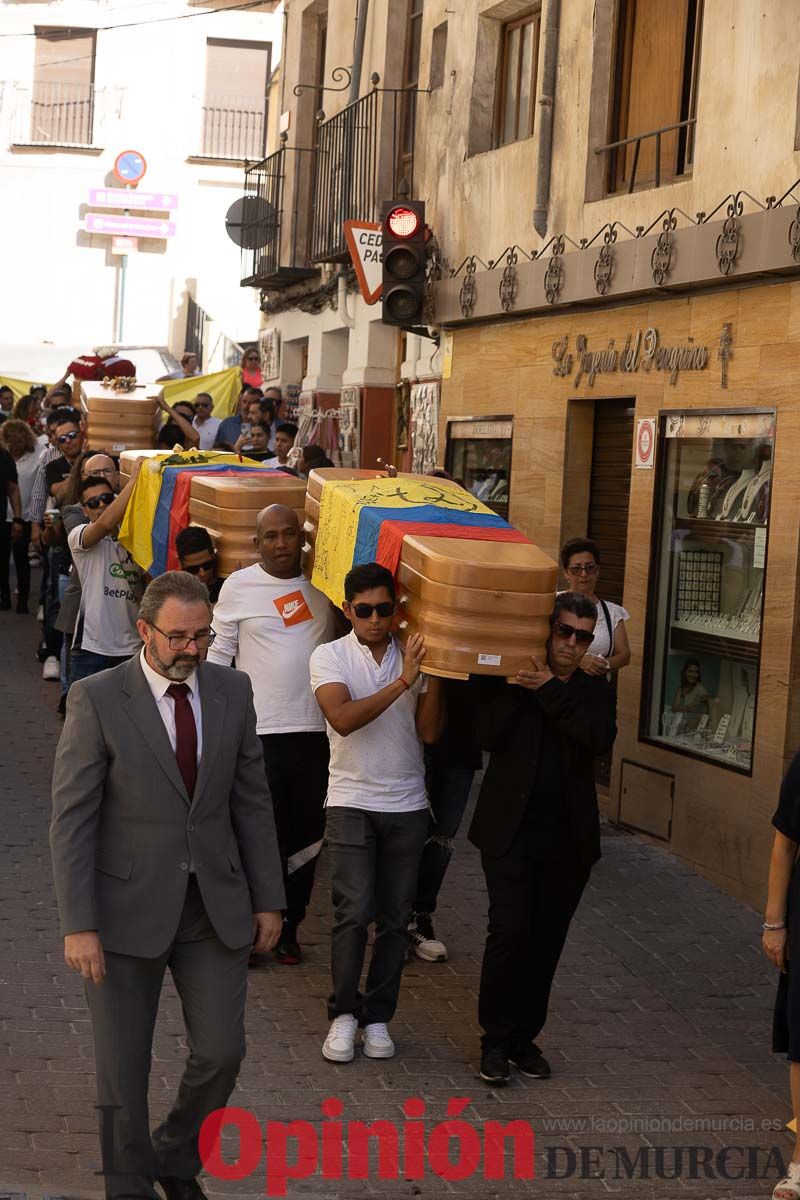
(228, 508)
(478, 591)
(117, 421)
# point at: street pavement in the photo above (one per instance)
(658, 1034)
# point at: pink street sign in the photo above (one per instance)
(129, 198)
(133, 226)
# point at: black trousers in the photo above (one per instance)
(18, 549)
(5, 555)
(297, 773)
(211, 981)
(532, 900)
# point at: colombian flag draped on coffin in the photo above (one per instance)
(366, 521)
(159, 506)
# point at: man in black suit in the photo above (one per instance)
(538, 830)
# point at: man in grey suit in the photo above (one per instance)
(164, 855)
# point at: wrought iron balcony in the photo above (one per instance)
(364, 155)
(271, 247)
(232, 127)
(54, 114)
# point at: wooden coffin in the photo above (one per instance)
(483, 607)
(118, 421)
(228, 508)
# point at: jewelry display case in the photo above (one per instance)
(706, 595)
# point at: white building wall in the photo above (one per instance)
(61, 284)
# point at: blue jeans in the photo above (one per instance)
(86, 663)
(448, 793)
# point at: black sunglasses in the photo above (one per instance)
(63, 438)
(208, 565)
(105, 498)
(384, 609)
(582, 636)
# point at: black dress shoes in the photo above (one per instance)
(180, 1189)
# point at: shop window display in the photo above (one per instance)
(707, 584)
(479, 454)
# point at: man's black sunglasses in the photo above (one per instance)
(384, 609)
(105, 498)
(196, 568)
(63, 438)
(582, 636)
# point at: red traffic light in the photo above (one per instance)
(402, 222)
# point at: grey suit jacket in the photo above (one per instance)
(124, 829)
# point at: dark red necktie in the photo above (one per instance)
(185, 735)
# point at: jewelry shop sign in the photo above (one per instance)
(643, 351)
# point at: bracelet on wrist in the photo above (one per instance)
(772, 928)
(404, 681)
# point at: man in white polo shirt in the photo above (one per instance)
(269, 618)
(379, 712)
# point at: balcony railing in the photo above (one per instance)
(54, 114)
(364, 154)
(233, 127)
(679, 139)
(271, 247)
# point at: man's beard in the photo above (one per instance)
(179, 670)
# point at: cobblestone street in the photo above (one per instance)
(660, 1021)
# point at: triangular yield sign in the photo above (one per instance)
(364, 242)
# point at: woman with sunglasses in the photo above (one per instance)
(610, 649)
(251, 368)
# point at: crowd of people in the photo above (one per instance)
(356, 747)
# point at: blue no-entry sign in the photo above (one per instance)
(130, 166)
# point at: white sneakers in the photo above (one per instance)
(340, 1044)
(51, 670)
(376, 1042)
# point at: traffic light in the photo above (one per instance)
(403, 243)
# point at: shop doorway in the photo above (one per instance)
(610, 491)
(597, 486)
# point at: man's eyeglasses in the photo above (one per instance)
(105, 498)
(253, 358)
(64, 438)
(384, 609)
(582, 569)
(179, 641)
(196, 568)
(582, 636)
(107, 472)
(202, 404)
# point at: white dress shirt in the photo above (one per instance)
(158, 685)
